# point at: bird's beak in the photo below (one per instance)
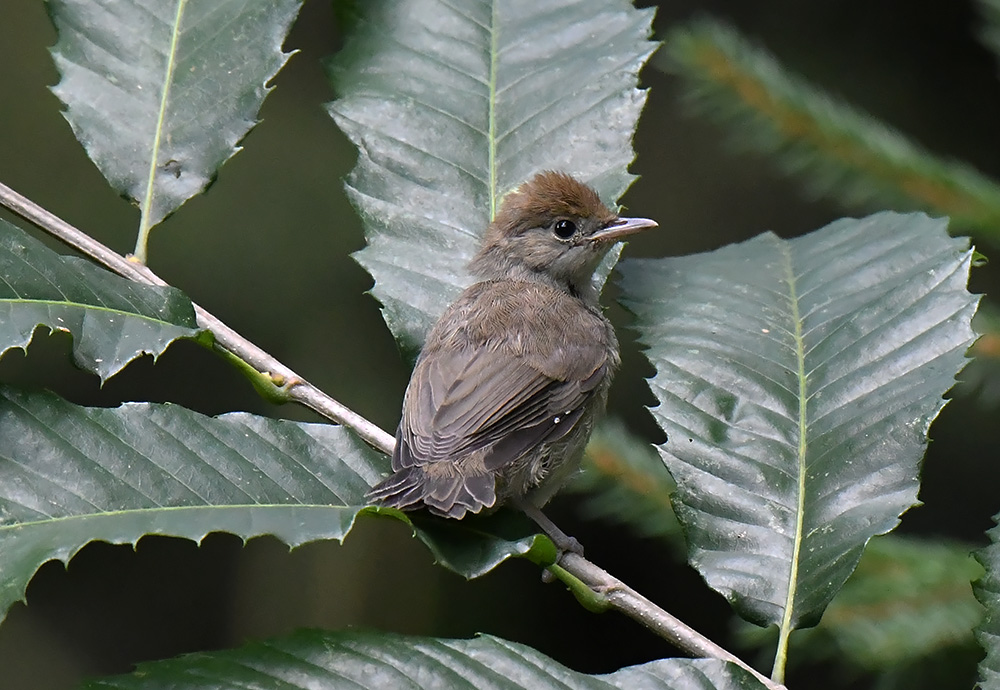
(620, 228)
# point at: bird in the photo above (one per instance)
(506, 390)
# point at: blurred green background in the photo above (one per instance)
(267, 249)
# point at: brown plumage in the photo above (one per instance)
(505, 392)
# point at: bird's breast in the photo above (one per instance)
(561, 335)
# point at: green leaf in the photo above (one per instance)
(797, 380)
(112, 320)
(834, 149)
(318, 659)
(624, 481)
(987, 590)
(452, 105)
(907, 600)
(160, 92)
(476, 544)
(990, 11)
(70, 475)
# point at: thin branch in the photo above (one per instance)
(294, 387)
(624, 599)
(616, 593)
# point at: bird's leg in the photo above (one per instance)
(563, 541)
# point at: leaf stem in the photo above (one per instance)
(145, 225)
(606, 588)
(593, 601)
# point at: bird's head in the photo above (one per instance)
(555, 229)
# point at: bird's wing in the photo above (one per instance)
(469, 398)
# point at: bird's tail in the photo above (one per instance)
(449, 496)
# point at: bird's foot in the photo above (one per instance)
(563, 542)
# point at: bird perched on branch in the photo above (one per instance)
(504, 395)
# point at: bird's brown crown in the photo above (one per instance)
(547, 195)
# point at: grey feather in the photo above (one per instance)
(504, 394)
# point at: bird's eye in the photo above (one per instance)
(564, 228)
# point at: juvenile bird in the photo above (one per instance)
(504, 395)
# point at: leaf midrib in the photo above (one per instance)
(803, 399)
(171, 509)
(492, 107)
(92, 307)
(147, 202)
